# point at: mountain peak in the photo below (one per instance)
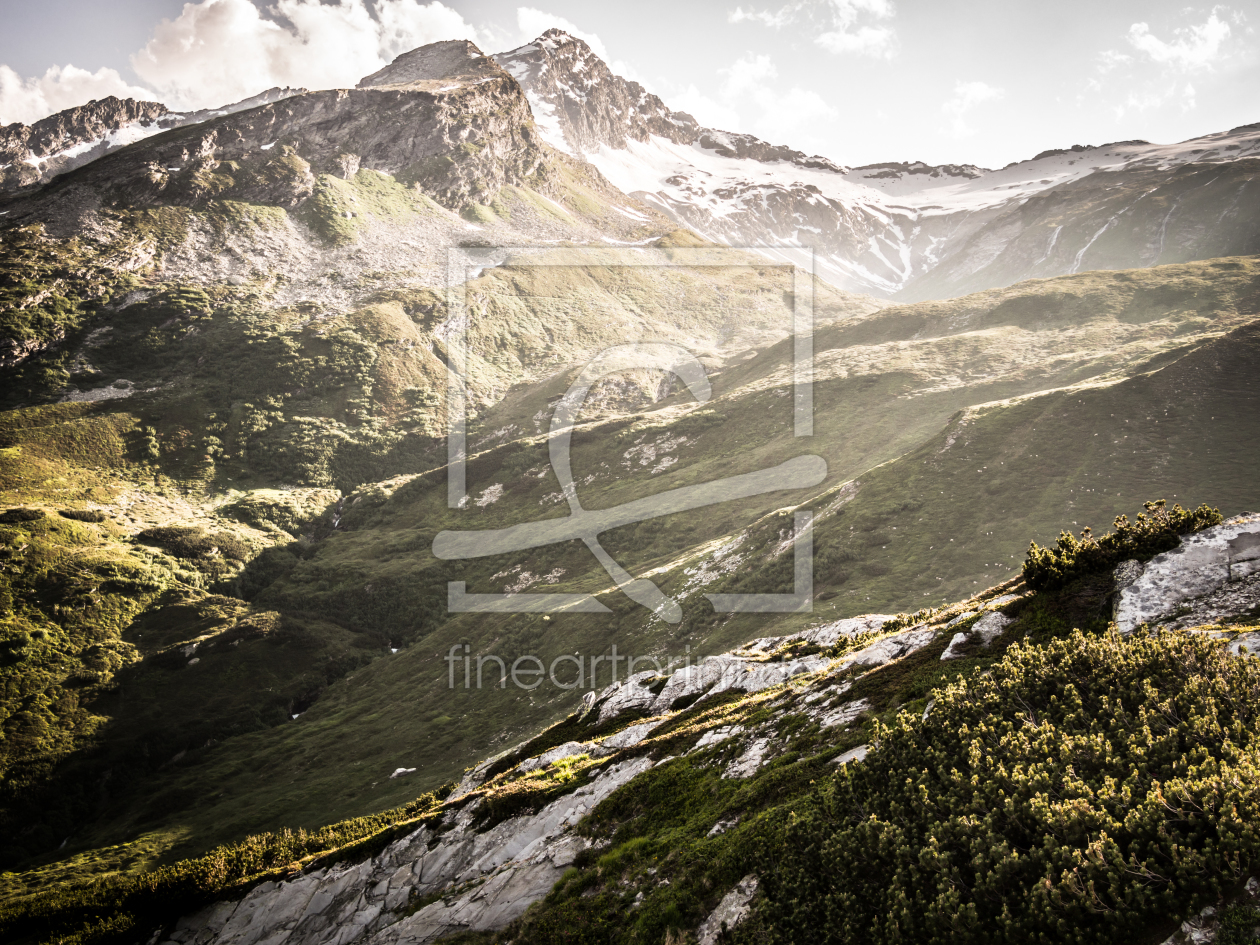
(559, 37)
(580, 105)
(449, 59)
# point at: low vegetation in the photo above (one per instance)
(1156, 530)
(109, 909)
(1069, 784)
(1082, 791)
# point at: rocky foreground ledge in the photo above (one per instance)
(470, 869)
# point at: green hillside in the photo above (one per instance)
(952, 431)
(967, 758)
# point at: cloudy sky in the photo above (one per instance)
(982, 81)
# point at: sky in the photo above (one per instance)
(983, 82)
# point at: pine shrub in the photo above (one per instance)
(1082, 791)
(1157, 530)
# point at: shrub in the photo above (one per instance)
(1158, 529)
(19, 516)
(186, 542)
(1082, 791)
(84, 515)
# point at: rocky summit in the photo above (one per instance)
(485, 504)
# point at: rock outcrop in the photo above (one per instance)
(898, 229)
(489, 878)
(450, 876)
(1212, 575)
(453, 875)
(579, 103)
(454, 60)
(730, 912)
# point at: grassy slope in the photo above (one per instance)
(987, 479)
(232, 395)
(241, 394)
(1198, 211)
(657, 828)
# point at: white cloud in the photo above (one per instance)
(967, 95)
(1192, 47)
(789, 116)
(1149, 98)
(706, 110)
(848, 26)
(28, 100)
(748, 101)
(776, 20)
(877, 41)
(1110, 59)
(748, 75)
(1187, 98)
(219, 51)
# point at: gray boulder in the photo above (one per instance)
(1211, 576)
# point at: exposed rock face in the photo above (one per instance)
(853, 755)
(632, 695)
(459, 139)
(580, 105)
(900, 229)
(983, 632)
(487, 879)
(730, 912)
(517, 862)
(891, 648)
(747, 764)
(34, 153)
(1206, 927)
(455, 59)
(907, 171)
(721, 673)
(842, 715)
(1212, 575)
(829, 634)
(37, 153)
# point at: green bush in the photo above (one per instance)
(187, 542)
(20, 516)
(95, 516)
(1079, 793)
(1157, 530)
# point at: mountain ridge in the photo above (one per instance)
(37, 153)
(895, 229)
(875, 229)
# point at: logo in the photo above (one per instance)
(800, 472)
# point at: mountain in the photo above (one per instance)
(901, 230)
(35, 154)
(226, 531)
